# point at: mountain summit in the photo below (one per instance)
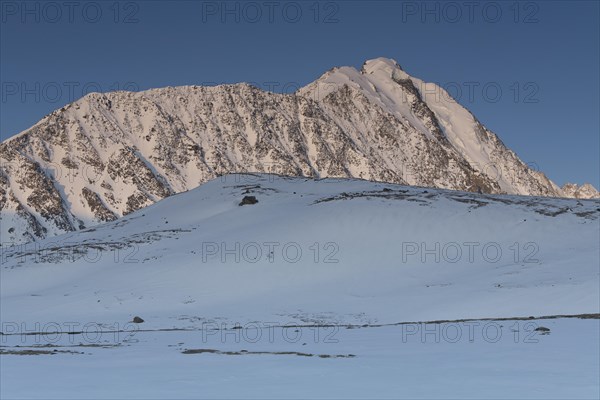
(585, 191)
(109, 154)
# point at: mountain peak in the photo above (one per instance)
(585, 191)
(387, 65)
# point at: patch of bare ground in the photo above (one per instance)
(277, 353)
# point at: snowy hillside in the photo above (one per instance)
(107, 155)
(314, 288)
(328, 251)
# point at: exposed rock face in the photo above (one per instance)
(96, 205)
(107, 155)
(585, 191)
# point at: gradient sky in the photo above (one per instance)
(542, 56)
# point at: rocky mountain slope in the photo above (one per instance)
(107, 155)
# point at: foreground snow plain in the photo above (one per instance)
(321, 289)
(563, 364)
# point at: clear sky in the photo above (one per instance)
(529, 70)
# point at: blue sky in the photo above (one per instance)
(528, 70)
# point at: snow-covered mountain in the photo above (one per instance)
(107, 155)
(585, 191)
